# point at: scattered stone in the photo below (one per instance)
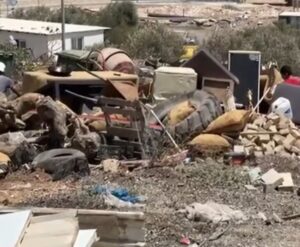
(264, 138)
(276, 218)
(111, 165)
(295, 133)
(254, 174)
(278, 139)
(284, 132)
(289, 140)
(271, 179)
(273, 128)
(287, 184)
(238, 149)
(252, 127)
(250, 187)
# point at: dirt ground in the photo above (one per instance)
(169, 189)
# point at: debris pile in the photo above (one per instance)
(271, 180)
(271, 134)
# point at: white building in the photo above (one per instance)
(44, 38)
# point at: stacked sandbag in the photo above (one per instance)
(209, 142)
(232, 121)
(271, 134)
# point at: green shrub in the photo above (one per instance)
(276, 42)
(156, 40)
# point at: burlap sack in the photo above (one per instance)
(210, 141)
(232, 121)
(180, 112)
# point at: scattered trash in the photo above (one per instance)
(213, 212)
(117, 197)
(185, 241)
(254, 175)
(250, 187)
(111, 165)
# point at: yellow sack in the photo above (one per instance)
(232, 121)
(210, 141)
(180, 112)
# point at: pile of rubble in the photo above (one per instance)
(271, 134)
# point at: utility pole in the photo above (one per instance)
(63, 47)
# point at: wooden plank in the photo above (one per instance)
(86, 238)
(48, 232)
(112, 226)
(12, 228)
(259, 133)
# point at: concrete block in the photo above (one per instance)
(268, 147)
(250, 187)
(294, 149)
(284, 132)
(287, 184)
(289, 140)
(271, 152)
(273, 128)
(297, 143)
(264, 138)
(259, 121)
(279, 149)
(274, 118)
(278, 139)
(258, 154)
(283, 125)
(251, 127)
(267, 125)
(272, 177)
(238, 148)
(295, 133)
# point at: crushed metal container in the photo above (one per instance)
(172, 81)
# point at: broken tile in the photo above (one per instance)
(287, 184)
(272, 177)
(250, 187)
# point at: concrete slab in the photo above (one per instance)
(58, 232)
(86, 238)
(287, 184)
(272, 177)
(12, 228)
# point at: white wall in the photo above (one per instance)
(38, 43)
(47, 45)
(89, 39)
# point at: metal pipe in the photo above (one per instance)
(63, 46)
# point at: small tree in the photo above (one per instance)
(153, 39)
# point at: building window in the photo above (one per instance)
(77, 43)
(21, 43)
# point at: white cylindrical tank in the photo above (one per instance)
(282, 106)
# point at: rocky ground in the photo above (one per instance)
(169, 189)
